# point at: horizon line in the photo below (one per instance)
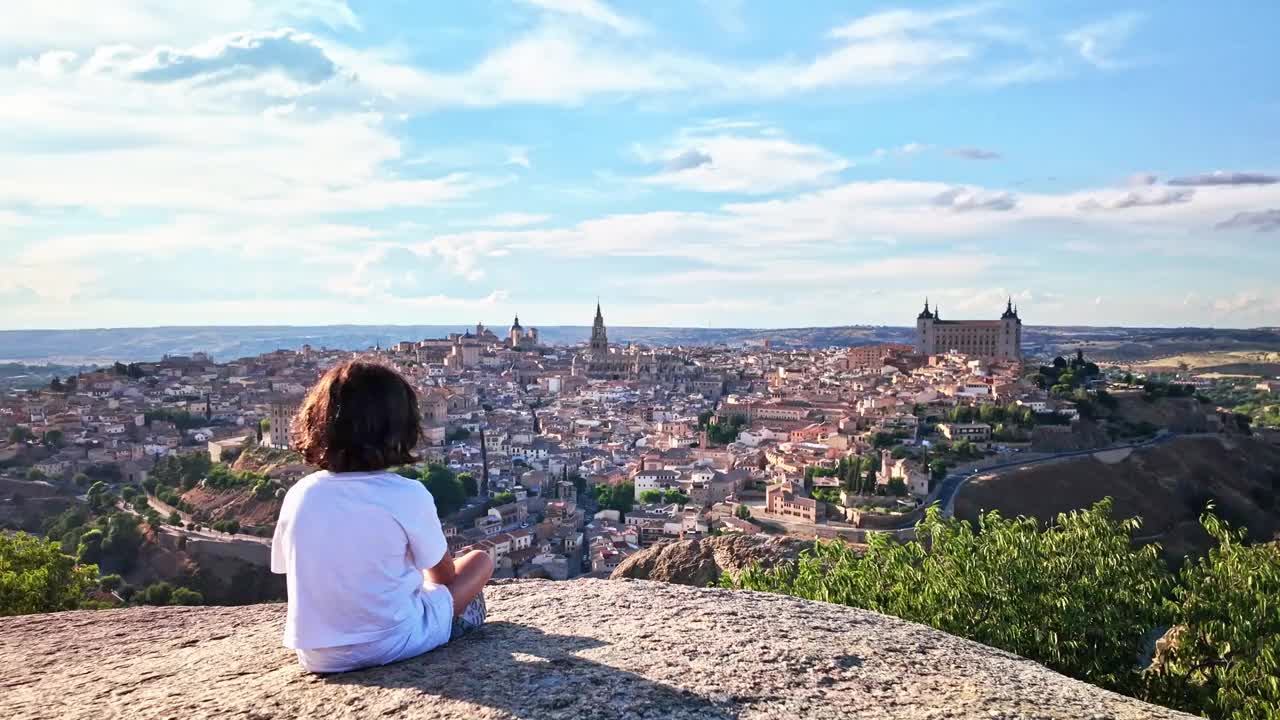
(466, 327)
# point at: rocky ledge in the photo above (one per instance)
(702, 562)
(578, 649)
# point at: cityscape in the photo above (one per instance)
(702, 359)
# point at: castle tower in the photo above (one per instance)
(924, 330)
(1010, 346)
(599, 338)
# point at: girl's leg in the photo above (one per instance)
(473, 570)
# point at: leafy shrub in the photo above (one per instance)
(1223, 654)
(183, 596)
(1077, 597)
(37, 576)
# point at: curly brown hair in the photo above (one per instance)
(359, 416)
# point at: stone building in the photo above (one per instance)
(600, 363)
(280, 417)
(990, 339)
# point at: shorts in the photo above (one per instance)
(437, 627)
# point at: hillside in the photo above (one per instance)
(576, 649)
(242, 504)
(1167, 485)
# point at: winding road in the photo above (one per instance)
(950, 486)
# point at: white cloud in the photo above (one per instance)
(710, 161)
(1098, 43)
(90, 132)
(593, 11)
(511, 220)
(902, 22)
(560, 64)
(519, 157)
(36, 26)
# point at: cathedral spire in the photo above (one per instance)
(599, 338)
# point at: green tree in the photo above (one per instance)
(89, 549)
(1223, 655)
(175, 518)
(123, 538)
(53, 438)
(937, 469)
(111, 582)
(620, 497)
(469, 485)
(34, 475)
(1076, 597)
(185, 596)
(21, 435)
(80, 479)
(445, 488)
(675, 496)
(650, 496)
(742, 512)
(36, 576)
(503, 498)
(160, 593)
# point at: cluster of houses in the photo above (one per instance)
(541, 427)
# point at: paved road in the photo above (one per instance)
(946, 491)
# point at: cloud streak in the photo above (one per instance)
(1220, 177)
(973, 153)
(1261, 221)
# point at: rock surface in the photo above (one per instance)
(577, 649)
(702, 562)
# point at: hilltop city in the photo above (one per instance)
(557, 461)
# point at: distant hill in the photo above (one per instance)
(1166, 485)
(103, 345)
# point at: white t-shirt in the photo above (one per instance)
(354, 546)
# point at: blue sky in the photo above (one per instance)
(694, 163)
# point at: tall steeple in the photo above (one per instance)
(1009, 312)
(599, 338)
(925, 314)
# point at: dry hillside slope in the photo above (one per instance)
(1167, 485)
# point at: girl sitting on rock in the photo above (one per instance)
(354, 539)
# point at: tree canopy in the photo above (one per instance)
(1076, 596)
(37, 576)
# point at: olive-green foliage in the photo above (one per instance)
(182, 471)
(160, 593)
(651, 496)
(223, 477)
(1075, 597)
(469, 485)
(1225, 662)
(620, 497)
(445, 487)
(726, 432)
(184, 596)
(36, 576)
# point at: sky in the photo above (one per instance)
(703, 163)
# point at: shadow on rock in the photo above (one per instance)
(527, 673)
